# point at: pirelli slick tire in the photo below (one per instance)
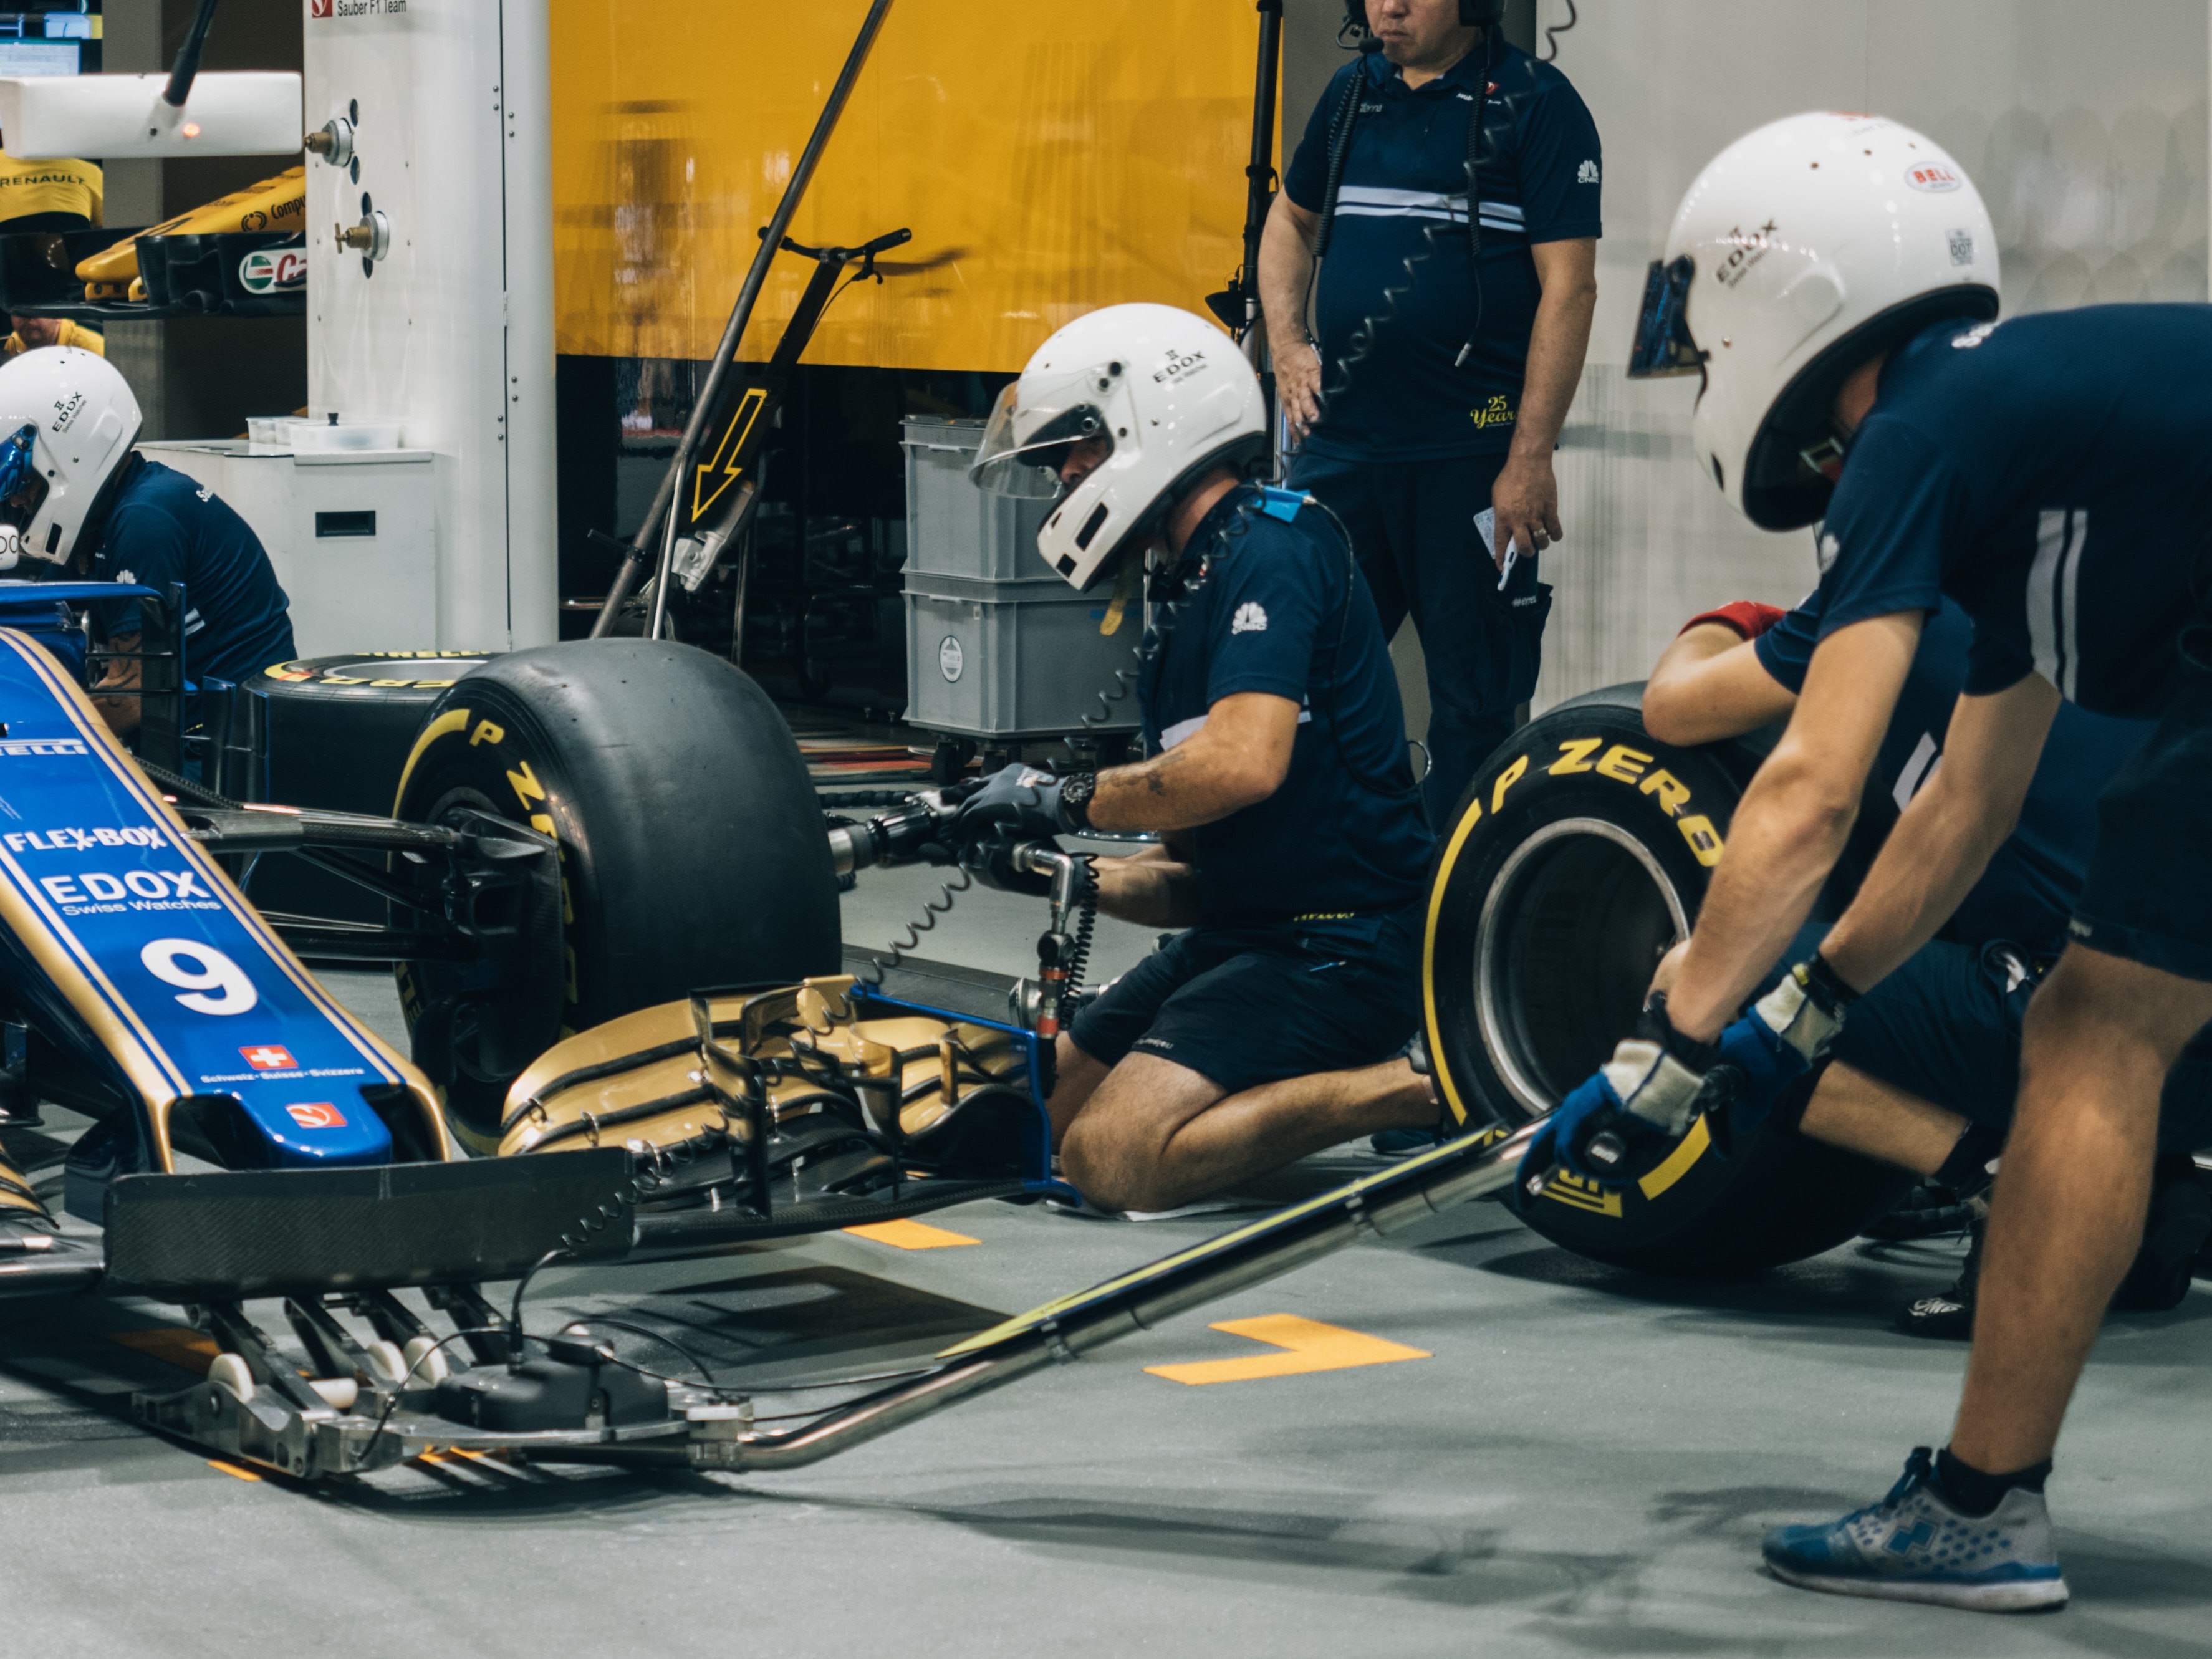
(691, 847)
(1577, 857)
(339, 732)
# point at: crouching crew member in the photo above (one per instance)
(1833, 278)
(1294, 847)
(1925, 1072)
(1450, 347)
(78, 499)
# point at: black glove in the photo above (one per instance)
(1017, 801)
(991, 862)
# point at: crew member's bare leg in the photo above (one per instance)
(1865, 1115)
(1151, 1134)
(2067, 1214)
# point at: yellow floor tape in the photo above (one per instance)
(1309, 1346)
(187, 1350)
(911, 1236)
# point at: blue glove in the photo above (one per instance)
(1017, 802)
(1787, 1032)
(1640, 1102)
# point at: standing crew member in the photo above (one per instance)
(1293, 844)
(73, 493)
(1833, 279)
(1450, 401)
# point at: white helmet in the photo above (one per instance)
(67, 422)
(1167, 392)
(1803, 250)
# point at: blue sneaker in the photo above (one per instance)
(1914, 1547)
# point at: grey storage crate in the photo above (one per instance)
(954, 529)
(1003, 660)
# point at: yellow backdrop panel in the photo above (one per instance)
(1048, 159)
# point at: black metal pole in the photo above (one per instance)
(187, 66)
(664, 499)
(1260, 175)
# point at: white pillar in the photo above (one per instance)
(450, 333)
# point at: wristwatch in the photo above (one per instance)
(1075, 793)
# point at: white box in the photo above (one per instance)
(353, 535)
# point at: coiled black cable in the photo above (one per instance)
(1551, 35)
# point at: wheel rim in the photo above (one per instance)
(1573, 923)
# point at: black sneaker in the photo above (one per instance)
(1948, 1315)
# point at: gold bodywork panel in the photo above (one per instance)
(648, 1076)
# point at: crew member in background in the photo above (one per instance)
(60, 195)
(1294, 849)
(33, 332)
(1453, 403)
(74, 494)
(1852, 371)
(1925, 1072)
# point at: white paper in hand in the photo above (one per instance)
(1485, 527)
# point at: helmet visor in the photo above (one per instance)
(22, 486)
(1663, 345)
(1034, 430)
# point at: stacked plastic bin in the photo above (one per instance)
(1000, 650)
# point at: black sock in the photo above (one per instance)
(1976, 1494)
(1967, 1170)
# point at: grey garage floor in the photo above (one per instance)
(1580, 1463)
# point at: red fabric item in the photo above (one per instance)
(1747, 616)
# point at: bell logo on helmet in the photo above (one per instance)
(1934, 178)
(1250, 619)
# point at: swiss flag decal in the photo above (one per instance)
(270, 1057)
(316, 1114)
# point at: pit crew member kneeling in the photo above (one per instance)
(1924, 1071)
(77, 497)
(1293, 847)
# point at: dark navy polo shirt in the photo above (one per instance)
(164, 528)
(2049, 474)
(2029, 889)
(1282, 610)
(1405, 175)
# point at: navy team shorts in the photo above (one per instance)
(2149, 897)
(1947, 1025)
(1243, 1006)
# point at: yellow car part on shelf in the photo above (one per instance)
(277, 204)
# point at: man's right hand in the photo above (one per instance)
(1297, 384)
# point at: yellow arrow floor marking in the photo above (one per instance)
(911, 1236)
(1309, 1346)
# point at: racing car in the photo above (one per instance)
(585, 836)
